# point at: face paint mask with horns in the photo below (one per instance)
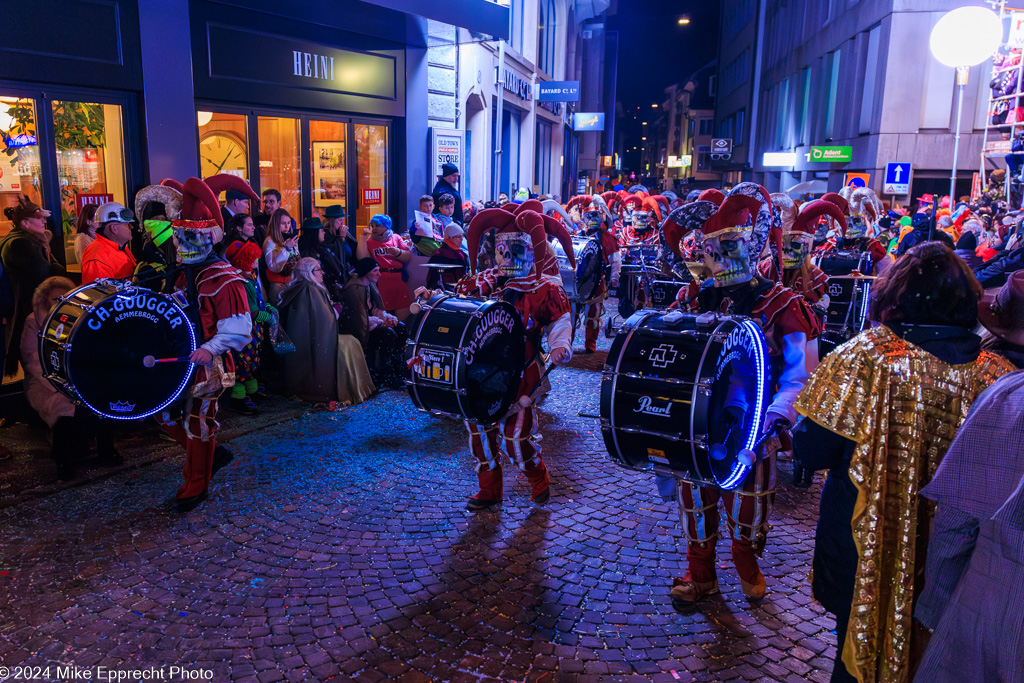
(725, 234)
(798, 240)
(865, 208)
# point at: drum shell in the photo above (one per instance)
(839, 262)
(579, 283)
(447, 382)
(664, 292)
(113, 327)
(662, 395)
(848, 304)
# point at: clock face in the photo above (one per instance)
(222, 152)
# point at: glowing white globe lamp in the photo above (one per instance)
(963, 38)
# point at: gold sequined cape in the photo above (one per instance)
(902, 406)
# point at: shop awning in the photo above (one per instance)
(480, 17)
(808, 187)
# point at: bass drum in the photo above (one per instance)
(840, 262)
(93, 343)
(579, 284)
(470, 354)
(665, 387)
(847, 312)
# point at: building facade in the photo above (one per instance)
(851, 73)
(322, 102)
(534, 146)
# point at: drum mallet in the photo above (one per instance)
(525, 401)
(150, 361)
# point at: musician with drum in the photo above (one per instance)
(732, 242)
(595, 224)
(513, 306)
(798, 230)
(856, 247)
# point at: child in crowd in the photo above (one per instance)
(426, 238)
(446, 207)
(390, 251)
(246, 256)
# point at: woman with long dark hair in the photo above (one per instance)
(85, 230)
(881, 412)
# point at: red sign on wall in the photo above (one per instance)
(371, 197)
(82, 199)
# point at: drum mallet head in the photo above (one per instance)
(150, 361)
(719, 451)
(746, 457)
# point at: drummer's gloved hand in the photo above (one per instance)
(264, 317)
(559, 355)
(823, 302)
(770, 418)
(201, 357)
(734, 416)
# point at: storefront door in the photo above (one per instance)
(311, 160)
(65, 151)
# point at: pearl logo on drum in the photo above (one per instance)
(647, 407)
(663, 355)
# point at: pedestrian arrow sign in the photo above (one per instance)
(897, 178)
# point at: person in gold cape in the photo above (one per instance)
(881, 412)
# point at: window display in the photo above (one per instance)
(20, 171)
(327, 154)
(372, 168)
(279, 160)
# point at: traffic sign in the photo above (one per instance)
(856, 179)
(721, 146)
(897, 178)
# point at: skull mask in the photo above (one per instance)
(727, 254)
(796, 246)
(195, 244)
(514, 253)
(592, 220)
(641, 221)
(857, 227)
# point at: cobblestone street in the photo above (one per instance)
(336, 547)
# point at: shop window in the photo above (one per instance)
(223, 145)
(327, 140)
(279, 160)
(371, 171)
(20, 170)
(89, 142)
(543, 159)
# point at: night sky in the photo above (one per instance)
(655, 52)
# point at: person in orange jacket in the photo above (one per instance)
(108, 256)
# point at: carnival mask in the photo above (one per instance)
(821, 232)
(727, 254)
(641, 221)
(856, 227)
(195, 245)
(796, 246)
(513, 252)
(592, 221)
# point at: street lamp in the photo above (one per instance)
(963, 38)
(683, 21)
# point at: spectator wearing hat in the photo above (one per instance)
(335, 234)
(108, 256)
(313, 243)
(1001, 313)
(390, 252)
(381, 334)
(446, 185)
(235, 202)
(26, 259)
(449, 253)
(245, 256)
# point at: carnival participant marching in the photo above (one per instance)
(731, 240)
(595, 224)
(798, 234)
(861, 208)
(220, 309)
(545, 310)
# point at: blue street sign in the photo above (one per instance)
(588, 121)
(558, 91)
(897, 178)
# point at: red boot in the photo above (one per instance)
(490, 490)
(751, 578)
(198, 468)
(700, 579)
(540, 482)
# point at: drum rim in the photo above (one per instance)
(115, 289)
(615, 383)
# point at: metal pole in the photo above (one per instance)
(961, 81)
(496, 180)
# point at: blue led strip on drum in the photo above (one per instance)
(174, 397)
(760, 354)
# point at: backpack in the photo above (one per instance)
(6, 289)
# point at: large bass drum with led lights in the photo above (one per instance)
(93, 343)
(466, 357)
(665, 387)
